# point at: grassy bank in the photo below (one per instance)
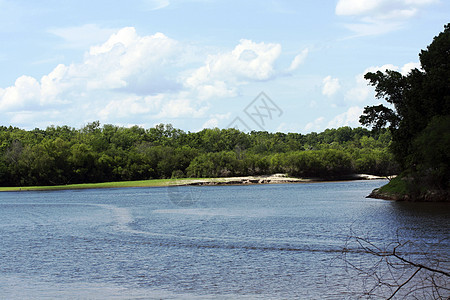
(397, 186)
(396, 189)
(160, 183)
(117, 184)
(403, 188)
(245, 180)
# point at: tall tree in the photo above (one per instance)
(415, 100)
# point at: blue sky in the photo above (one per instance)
(203, 63)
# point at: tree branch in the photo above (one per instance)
(404, 283)
(418, 265)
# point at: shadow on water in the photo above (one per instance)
(413, 211)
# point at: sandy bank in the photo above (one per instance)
(245, 180)
(266, 179)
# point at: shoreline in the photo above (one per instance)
(429, 196)
(400, 189)
(269, 179)
(244, 180)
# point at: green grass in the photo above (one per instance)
(396, 186)
(117, 184)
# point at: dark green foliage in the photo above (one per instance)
(327, 163)
(433, 151)
(418, 116)
(95, 153)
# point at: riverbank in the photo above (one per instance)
(270, 179)
(398, 189)
(429, 196)
(246, 180)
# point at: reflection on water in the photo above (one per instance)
(262, 241)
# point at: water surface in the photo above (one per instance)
(258, 241)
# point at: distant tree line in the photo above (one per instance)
(95, 153)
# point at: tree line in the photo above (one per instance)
(99, 153)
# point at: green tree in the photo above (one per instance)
(415, 99)
(61, 154)
(82, 159)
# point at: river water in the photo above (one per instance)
(258, 241)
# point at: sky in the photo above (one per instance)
(287, 66)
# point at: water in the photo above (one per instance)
(259, 241)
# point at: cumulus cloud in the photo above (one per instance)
(129, 61)
(151, 76)
(315, 125)
(131, 105)
(287, 127)
(355, 7)
(348, 118)
(379, 16)
(330, 86)
(24, 94)
(183, 107)
(113, 65)
(361, 91)
(410, 66)
(120, 75)
(222, 73)
(214, 120)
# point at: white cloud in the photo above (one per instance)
(214, 120)
(379, 16)
(298, 60)
(138, 108)
(222, 73)
(316, 125)
(330, 86)
(211, 123)
(420, 2)
(348, 118)
(372, 27)
(132, 105)
(355, 7)
(409, 66)
(82, 36)
(387, 9)
(25, 93)
(146, 77)
(182, 108)
(124, 37)
(288, 127)
(139, 64)
(156, 4)
(361, 91)
(22, 117)
(125, 61)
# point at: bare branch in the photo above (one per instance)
(395, 265)
(404, 283)
(419, 265)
